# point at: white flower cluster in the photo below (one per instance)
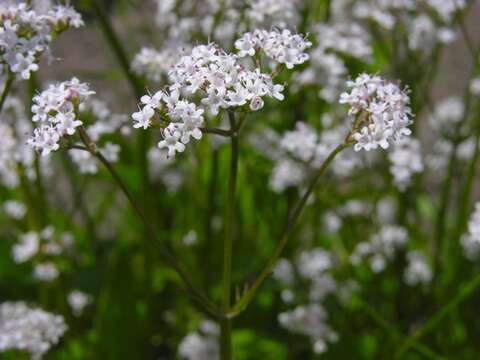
(56, 109)
(418, 271)
(310, 320)
(202, 344)
(471, 240)
(46, 246)
(153, 64)
(282, 47)
(185, 119)
(381, 247)
(221, 80)
(405, 161)
(26, 34)
(382, 111)
(78, 300)
(27, 329)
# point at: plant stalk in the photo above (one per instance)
(252, 290)
(226, 324)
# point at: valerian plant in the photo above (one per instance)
(292, 172)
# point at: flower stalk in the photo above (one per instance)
(205, 304)
(251, 291)
(226, 323)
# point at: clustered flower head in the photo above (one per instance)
(282, 47)
(56, 109)
(381, 109)
(381, 247)
(28, 329)
(26, 34)
(222, 81)
(471, 240)
(184, 119)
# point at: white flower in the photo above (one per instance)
(46, 272)
(15, 209)
(417, 271)
(382, 110)
(27, 247)
(171, 140)
(78, 300)
(27, 329)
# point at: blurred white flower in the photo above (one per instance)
(78, 300)
(27, 329)
(15, 209)
(418, 270)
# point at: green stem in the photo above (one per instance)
(462, 294)
(6, 90)
(205, 303)
(226, 324)
(250, 293)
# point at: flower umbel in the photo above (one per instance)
(56, 108)
(382, 112)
